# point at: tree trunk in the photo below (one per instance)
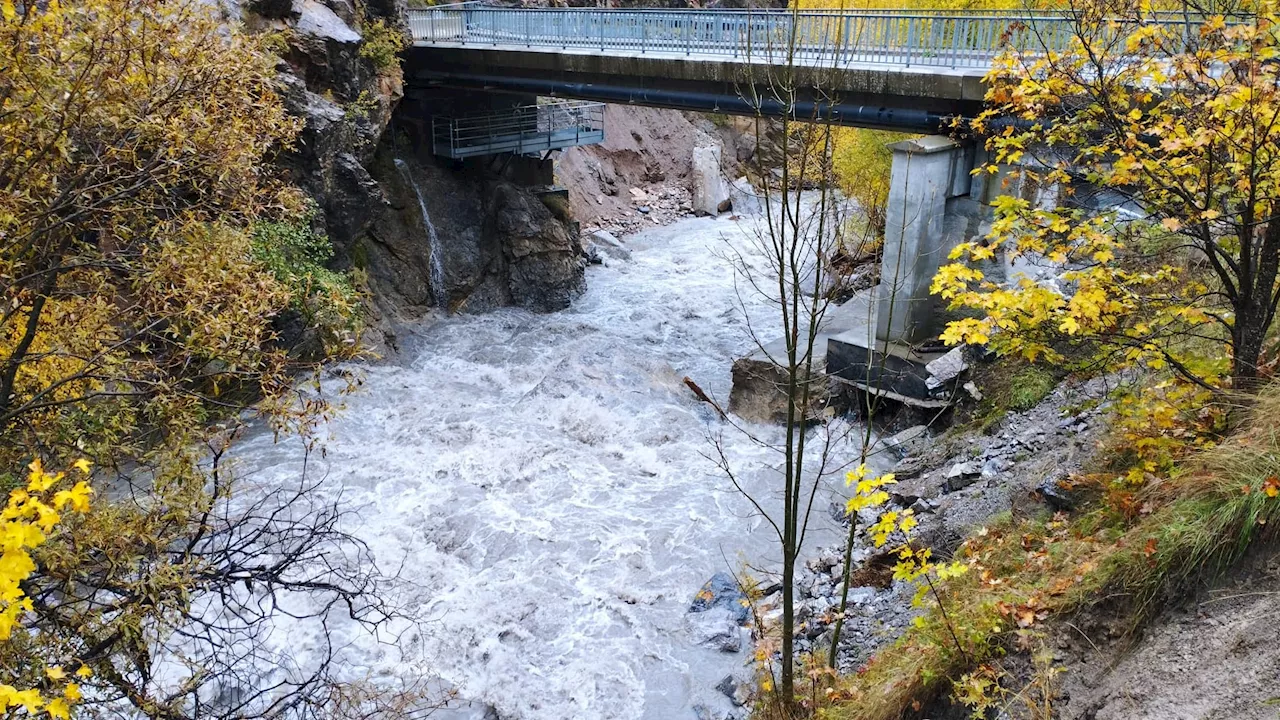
(786, 687)
(1248, 337)
(1255, 310)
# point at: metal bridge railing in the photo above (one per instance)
(520, 130)
(946, 39)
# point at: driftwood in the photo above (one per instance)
(697, 391)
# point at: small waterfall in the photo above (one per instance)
(438, 290)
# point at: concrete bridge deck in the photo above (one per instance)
(902, 70)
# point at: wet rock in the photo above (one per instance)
(743, 197)
(912, 440)
(738, 691)
(721, 591)
(717, 614)
(546, 272)
(717, 629)
(710, 193)
(606, 243)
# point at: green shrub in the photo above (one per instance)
(296, 255)
(382, 45)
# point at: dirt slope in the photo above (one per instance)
(1216, 657)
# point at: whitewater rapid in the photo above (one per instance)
(542, 485)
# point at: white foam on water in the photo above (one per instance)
(541, 481)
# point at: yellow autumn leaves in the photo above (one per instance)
(913, 563)
(25, 522)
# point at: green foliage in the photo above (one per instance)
(291, 250)
(382, 45)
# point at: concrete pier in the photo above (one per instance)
(927, 172)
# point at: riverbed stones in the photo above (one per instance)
(738, 690)
(962, 475)
(718, 613)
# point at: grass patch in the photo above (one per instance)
(1031, 385)
(1008, 384)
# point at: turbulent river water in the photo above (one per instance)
(542, 485)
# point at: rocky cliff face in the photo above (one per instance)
(425, 236)
(462, 239)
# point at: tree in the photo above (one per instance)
(136, 147)
(1175, 118)
(791, 265)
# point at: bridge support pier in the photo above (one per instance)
(927, 172)
(934, 204)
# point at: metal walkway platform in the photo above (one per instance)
(525, 130)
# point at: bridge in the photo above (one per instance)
(910, 71)
(896, 70)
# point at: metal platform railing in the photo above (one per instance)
(941, 38)
(522, 130)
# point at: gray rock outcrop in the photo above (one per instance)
(710, 191)
(497, 244)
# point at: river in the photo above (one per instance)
(542, 484)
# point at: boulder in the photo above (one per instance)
(717, 614)
(738, 691)
(545, 268)
(325, 50)
(908, 490)
(710, 192)
(962, 475)
(744, 198)
(317, 20)
(722, 591)
(759, 392)
(606, 243)
(946, 368)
